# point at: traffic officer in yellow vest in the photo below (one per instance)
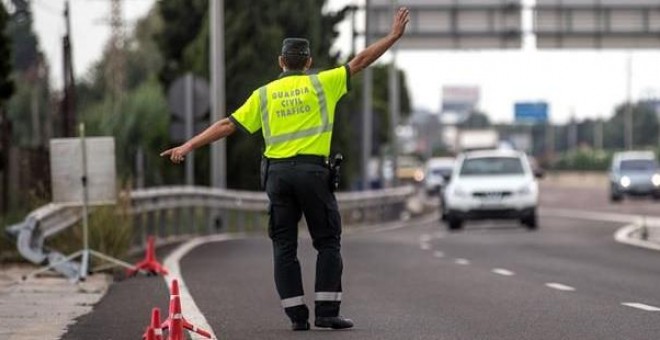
(295, 114)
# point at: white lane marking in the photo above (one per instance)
(425, 246)
(462, 262)
(503, 272)
(425, 238)
(559, 286)
(188, 305)
(641, 306)
(438, 254)
(624, 235)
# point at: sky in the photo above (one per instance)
(581, 84)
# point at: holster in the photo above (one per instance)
(263, 176)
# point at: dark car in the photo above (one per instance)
(634, 173)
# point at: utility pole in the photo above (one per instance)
(395, 106)
(628, 120)
(116, 70)
(69, 100)
(219, 148)
(598, 134)
(367, 104)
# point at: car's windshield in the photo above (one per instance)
(492, 166)
(638, 165)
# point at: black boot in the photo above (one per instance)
(300, 325)
(334, 322)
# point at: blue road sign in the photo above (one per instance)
(531, 112)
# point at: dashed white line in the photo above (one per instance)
(559, 286)
(503, 272)
(463, 262)
(641, 306)
(438, 254)
(425, 238)
(425, 245)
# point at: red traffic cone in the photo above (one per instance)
(149, 264)
(176, 323)
(155, 327)
(149, 334)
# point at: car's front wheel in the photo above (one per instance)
(531, 221)
(454, 223)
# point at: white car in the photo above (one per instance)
(438, 171)
(491, 184)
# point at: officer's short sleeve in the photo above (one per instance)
(336, 81)
(248, 117)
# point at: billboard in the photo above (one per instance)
(531, 112)
(615, 24)
(450, 24)
(460, 99)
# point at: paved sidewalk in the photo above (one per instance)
(42, 308)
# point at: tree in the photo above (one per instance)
(6, 90)
(476, 120)
(6, 84)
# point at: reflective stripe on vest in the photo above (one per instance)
(325, 126)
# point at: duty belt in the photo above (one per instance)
(308, 159)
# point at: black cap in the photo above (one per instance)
(295, 46)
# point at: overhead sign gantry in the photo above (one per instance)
(454, 24)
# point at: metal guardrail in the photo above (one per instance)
(182, 211)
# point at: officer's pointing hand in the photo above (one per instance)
(177, 155)
(401, 18)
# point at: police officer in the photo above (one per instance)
(295, 114)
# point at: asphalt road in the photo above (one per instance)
(568, 280)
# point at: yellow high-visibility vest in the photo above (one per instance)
(295, 113)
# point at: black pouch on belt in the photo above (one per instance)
(335, 165)
(264, 173)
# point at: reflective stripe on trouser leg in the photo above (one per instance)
(327, 304)
(293, 301)
(328, 296)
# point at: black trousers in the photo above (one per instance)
(297, 188)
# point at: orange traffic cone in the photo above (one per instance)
(149, 264)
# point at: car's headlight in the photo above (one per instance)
(656, 180)
(525, 190)
(625, 181)
(418, 175)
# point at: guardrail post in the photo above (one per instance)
(176, 221)
(139, 237)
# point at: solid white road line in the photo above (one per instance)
(438, 254)
(463, 262)
(641, 306)
(503, 272)
(188, 305)
(559, 286)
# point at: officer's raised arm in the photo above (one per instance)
(375, 50)
(218, 130)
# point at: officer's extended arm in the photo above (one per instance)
(375, 50)
(218, 130)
